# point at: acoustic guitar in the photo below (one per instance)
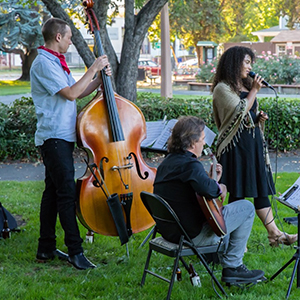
(212, 208)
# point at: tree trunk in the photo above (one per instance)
(136, 27)
(124, 72)
(199, 51)
(26, 64)
(26, 58)
(83, 49)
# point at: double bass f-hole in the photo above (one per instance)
(138, 167)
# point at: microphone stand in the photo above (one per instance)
(296, 258)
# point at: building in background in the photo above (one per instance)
(287, 43)
(283, 41)
(272, 31)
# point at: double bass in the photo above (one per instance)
(110, 129)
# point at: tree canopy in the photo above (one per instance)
(190, 20)
(196, 20)
(138, 17)
(217, 20)
(20, 33)
(137, 22)
(290, 8)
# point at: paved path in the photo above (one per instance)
(15, 171)
(184, 91)
(10, 98)
(177, 90)
(35, 171)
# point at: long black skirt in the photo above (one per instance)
(245, 172)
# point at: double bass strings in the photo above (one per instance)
(115, 124)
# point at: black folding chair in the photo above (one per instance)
(167, 222)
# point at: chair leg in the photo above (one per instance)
(146, 267)
(210, 272)
(176, 261)
(185, 264)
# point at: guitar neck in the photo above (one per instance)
(214, 170)
(214, 161)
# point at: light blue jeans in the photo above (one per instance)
(238, 217)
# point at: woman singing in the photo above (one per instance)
(241, 149)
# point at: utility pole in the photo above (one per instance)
(166, 68)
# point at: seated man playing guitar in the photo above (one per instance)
(181, 179)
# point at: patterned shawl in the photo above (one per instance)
(231, 116)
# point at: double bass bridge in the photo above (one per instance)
(125, 167)
(117, 168)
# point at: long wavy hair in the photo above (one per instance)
(185, 133)
(229, 68)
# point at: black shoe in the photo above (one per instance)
(80, 262)
(43, 257)
(241, 275)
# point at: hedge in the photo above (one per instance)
(18, 121)
(282, 130)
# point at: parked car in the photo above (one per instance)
(150, 65)
(188, 67)
(190, 63)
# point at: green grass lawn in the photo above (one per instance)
(14, 87)
(118, 276)
(17, 87)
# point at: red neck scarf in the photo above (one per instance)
(61, 57)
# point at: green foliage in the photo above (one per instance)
(219, 21)
(155, 107)
(17, 127)
(20, 27)
(14, 87)
(274, 69)
(18, 121)
(282, 129)
(278, 69)
(207, 71)
(194, 21)
(291, 9)
(259, 15)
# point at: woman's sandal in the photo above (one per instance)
(283, 238)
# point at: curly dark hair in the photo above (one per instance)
(185, 133)
(229, 68)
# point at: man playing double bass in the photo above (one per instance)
(180, 176)
(54, 91)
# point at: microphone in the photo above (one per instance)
(252, 75)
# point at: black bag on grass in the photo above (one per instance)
(12, 223)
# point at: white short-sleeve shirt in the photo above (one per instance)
(56, 116)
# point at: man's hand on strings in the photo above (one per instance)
(224, 192)
(219, 170)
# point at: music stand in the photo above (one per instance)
(288, 199)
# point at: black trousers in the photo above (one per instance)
(59, 197)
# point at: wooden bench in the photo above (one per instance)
(150, 76)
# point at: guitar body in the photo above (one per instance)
(212, 210)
